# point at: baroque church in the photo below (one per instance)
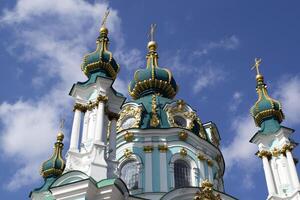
(155, 146)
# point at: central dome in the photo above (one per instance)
(153, 79)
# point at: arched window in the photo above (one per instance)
(130, 175)
(182, 174)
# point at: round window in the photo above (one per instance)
(180, 121)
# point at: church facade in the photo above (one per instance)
(154, 146)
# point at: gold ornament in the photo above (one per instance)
(127, 153)
(163, 148)
(182, 135)
(183, 152)
(128, 136)
(129, 111)
(148, 148)
(154, 121)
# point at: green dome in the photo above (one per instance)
(153, 79)
(101, 60)
(265, 107)
(55, 165)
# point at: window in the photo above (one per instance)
(180, 121)
(182, 174)
(130, 175)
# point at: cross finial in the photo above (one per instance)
(256, 65)
(152, 30)
(105, 17)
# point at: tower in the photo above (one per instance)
(99, 103)
(274, 144)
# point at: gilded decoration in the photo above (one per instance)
(129, 111)
(154, 121)
(206, 192)
(183, 152)
(127, 153)
(182, 110)
(264, 153)
(276, 152)
(287, 147)
(183, 135)
(201, 157)
(210, 162)
(163, 148)
(128, 136)
(148, 148)
(80, 107)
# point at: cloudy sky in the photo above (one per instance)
(209, 45)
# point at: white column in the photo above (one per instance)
(148, 172)
(268, 175)
(163, 171)
(292, 168)
(92, 123)
(99, 122)
(75, 131)
(85, 126)
(201, 172)
(112, 139)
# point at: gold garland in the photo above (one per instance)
(206, 192)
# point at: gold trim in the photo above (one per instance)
(99, 65)
(80, 107)
(264, 153)
(183, 152)
(201, 157)
(206, 192)
(183, 135)
(128, 136)
(163, 148)
(154, 121)
(148, 148)
(129, 111)
(127, 153)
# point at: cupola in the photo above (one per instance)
(153, 79)
(267, 112)
(55, 166)
(101, 61)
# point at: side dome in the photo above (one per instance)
(265, 107)
(153, 79)
(55, 165)
(101, 60)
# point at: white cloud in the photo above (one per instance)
(288, 93)
(53, 35)
(208, 75)
(229, 43)
(236, 100)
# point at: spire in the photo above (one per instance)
(153, 79)
(267, 112)
(55, 166)
(101, 62)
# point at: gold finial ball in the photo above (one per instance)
(60, 136)
(259, 77)
(104, 30)
(152, 45)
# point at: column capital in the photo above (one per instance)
(264, 153)
(80, 107)
(163, 148)
(287, 147)
(102, 98)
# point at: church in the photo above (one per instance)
(155, 146)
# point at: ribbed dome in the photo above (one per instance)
(265, 107)
(100, 61)
(55, 165)
(153, 79)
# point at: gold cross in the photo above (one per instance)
(151, 34)
(105, 17)
(256, 65)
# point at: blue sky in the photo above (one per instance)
(209, 45)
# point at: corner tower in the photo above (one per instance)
(274, 144)
(164, 150)
(98, 104)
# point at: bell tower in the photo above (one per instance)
(274, 144)
(95, 113)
